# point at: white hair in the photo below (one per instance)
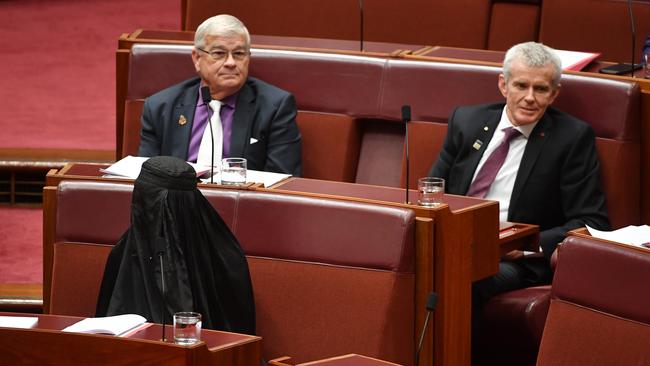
(222, 25)
(533, 54)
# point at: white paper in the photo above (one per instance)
(632, 235)
(576, 61)
(255, 176)
(130, 166)
(18, 321)
(114, 325)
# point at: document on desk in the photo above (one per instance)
(18, 321)
(129, 167)
(633, 235)
(576, 61)
(118, 325)
(255, 176)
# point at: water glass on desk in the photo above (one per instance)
(187, 328)
(431, 191)
(646, 65)
(233, 171)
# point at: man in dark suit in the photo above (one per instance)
(251, 119)
(548, 173)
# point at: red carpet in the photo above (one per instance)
(58, 68)
(21, 245)
(58, 91)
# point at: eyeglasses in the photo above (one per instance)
(221, 55)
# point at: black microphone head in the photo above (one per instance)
(406, 113)
(159, 245)
(205, 94)
(432, 301)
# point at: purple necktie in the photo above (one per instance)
(490, 168)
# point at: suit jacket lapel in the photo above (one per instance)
(242, 122)
(534, 147)
(182, 132)
(479, 144)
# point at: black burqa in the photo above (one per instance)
(205, 268)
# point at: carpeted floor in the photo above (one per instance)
(58, 68)
(21, 245)
(57, 79)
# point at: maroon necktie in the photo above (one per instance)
(490, 168)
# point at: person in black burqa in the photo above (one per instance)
(205, 268)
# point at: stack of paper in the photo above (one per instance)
(18, 321)
(632, 235)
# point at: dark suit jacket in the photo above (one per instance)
(263, 112)
(558, 182)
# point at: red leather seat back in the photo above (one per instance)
(599, 302)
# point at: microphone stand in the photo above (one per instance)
(162, 285)
(406, 117)
(207, 98)
(632, 64)
(431, 306)
(361, 21)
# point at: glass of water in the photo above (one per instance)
(233, 171)
(431, 191)
(187, 328)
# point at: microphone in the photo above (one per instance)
(361, 21)
(406, 117)
(431, 306)
(624, 68)
(205, 95)
(159, 248)
(633, 66)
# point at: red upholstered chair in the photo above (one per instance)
(600, 306)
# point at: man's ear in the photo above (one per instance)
(555, 93)
(502, 85)
(195, 59)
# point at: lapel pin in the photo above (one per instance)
(485, 128)
(477, 144)
(182, 120)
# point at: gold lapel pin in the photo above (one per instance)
(182, 120)
(477, 144)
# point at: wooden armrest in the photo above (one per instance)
(281, 361)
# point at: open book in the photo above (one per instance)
(118, 325)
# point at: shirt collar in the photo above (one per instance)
(525, 130)
(230, 100)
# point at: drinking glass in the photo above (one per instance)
(187, 328)
(233, 171)
(431, 191)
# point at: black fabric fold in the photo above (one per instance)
(205, 268)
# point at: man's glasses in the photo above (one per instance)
(221, 55)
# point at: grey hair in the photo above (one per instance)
(533, 54)
(222, 25)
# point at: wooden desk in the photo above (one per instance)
(346, 360)
(47, 345)
(461, 245)
(456, 243)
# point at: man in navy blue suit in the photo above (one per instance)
(257, 121)
(550, 174)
